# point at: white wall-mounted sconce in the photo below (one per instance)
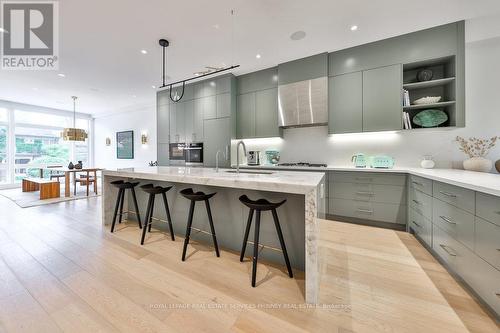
(144, 138)
(108, 141)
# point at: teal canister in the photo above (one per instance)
(359, 160)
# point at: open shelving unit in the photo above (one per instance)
(443, 83)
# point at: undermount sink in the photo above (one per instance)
(254, 172)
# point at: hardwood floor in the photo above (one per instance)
(60, 271)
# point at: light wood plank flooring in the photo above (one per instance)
(61, 271)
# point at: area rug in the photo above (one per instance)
(32, 199)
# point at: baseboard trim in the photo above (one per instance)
(379, 224)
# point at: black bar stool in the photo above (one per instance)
(122, 187)
(193, 197)
(258, 206)
(154, 190)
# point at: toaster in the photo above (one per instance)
(381, 161)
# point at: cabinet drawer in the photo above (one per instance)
(364, 177)
(369, 192)
(421, 226)
(456, 222)
(488, 207)
(421, 184)
(421, 202)
(374, 211)
(456, 196)
(487, 242)
(480, 275)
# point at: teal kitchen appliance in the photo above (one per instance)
(381, 162)
(359, 160)
(272, 157)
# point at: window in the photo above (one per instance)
(3, 146)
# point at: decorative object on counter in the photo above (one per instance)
(430, 118)
(71, 166)
(253, 157)
(425, 75)
(79, 165)
(427, 162)
(497, 165)
(211, 70)
(108, 141)
(125, 145)
(152, 164)
(476, 149)
(273, 156)
(381, 162)
(427, 100)
(144, 138)
(359, 160)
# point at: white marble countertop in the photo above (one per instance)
(478, 181)
(277, 181)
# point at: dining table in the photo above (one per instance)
(67, 176)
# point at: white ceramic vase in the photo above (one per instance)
(479, 164)
(427, 162)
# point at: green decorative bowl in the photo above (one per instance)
(430, 118)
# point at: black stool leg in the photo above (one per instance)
(169, 219)
(282, 242)
(146, 220)
(247, 231)
(122, 199)
(150, 221)
(256, 247)
(211, 222)
(188, 230)
(116, 209)
(136, 207)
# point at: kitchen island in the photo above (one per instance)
(304, 192)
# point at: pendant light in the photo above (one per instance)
(164, 43)
(74, 134)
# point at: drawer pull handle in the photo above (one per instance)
(498, 212)
(451, 195)
(365, 193)
(447, 219)
(417, 202)
(417, 183)
(418, 225)
(453, 254)
(365, 211)
(498, 294)
(364, 178)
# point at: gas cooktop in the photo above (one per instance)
(303, 164)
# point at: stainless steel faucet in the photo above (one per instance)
(238, 154)
(217, 160)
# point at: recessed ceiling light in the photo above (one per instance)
(144, 52)
(258, 56)
(216, 26)
(35, 89)
(298, 35)
(354, 28)
(134, 96)
(61, 75)
(154, 87)
(2, 30)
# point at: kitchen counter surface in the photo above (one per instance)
(478, 181)
(277, 181)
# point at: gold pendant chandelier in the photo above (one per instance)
(74, 134)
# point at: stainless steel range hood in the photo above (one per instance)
(303, 103)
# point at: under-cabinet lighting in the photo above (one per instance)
(365, 136)
(354, 28)
(261, 141)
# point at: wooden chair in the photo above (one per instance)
(56, 175)
(83, 180)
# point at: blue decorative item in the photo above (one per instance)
(430, 118)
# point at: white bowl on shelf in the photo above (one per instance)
(427, 100)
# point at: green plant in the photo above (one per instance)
(35, 172)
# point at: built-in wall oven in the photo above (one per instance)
(186, 154)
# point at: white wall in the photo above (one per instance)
(482, 120)
(140, 121)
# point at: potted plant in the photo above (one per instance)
(476, 149)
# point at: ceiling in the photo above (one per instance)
(101, 42)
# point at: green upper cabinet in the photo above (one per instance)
(382, 106)
(345, 98)
(257, 105)
(303, 69)
(163, 123)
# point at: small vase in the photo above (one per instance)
(79, 165)
(71, 166)
(479, 164)
(427, 162)
(497, 165)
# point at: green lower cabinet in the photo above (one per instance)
(345, 110)
(382, 106)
